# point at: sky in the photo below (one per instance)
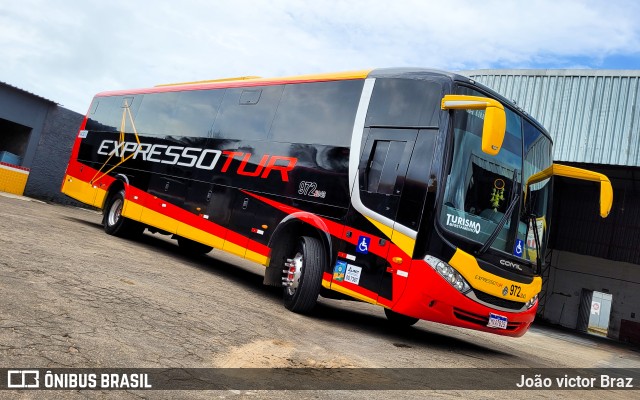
(68, 50)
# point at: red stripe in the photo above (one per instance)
(86, 173)
(214, 85)
(324, 224)
(15, 166)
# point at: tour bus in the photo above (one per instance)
(417, 190)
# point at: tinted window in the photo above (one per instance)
(404, 102)
(317, 113)
(383, 168)
(188, 113)
(247, 113)
(105, 114)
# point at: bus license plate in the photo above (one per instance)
(497, 321)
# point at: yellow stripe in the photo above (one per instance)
(326, 284)
(239, 78)
(99, 200)
(468, 267)
(332, 76)
(348, 292)
(79, 190)
(404, 242)
(132, 210)
(199, 235)
(158, 220)
(256, 257)
(88, 194)
(234, 249)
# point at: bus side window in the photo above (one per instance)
(247, 114)
(382, 171)
(383, 168)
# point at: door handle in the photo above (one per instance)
(245, 203)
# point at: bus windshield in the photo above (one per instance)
(484, 198)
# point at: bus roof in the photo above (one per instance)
(246, 81)
(241, 82)
(249, 81)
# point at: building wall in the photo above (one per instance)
(592, 115)
(570, 273)
(25, 109)
(52, 156)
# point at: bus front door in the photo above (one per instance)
(380, 180)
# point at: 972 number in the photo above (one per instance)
(514, 290)
(307, 188)
(311, 189)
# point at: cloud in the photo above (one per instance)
(68, 51)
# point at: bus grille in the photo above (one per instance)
(480, 319)
(497, 301)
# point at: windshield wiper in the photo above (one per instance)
(498, 228)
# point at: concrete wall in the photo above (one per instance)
(24, 109)
(570, 273)
(52, 156)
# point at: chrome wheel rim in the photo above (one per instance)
(115, 212)
(292, 273)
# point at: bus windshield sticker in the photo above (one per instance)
(353, 274)
(463, 223)
(339, 270)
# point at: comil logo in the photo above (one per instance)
(23, 379)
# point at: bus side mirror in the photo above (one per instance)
(495, 119)
(606, 191)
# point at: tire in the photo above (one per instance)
(113, 221)
(399, 320)
(303, 277)
(192, 248)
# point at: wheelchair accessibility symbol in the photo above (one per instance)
(518, 248)
(363, 245)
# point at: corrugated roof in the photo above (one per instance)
(592, 115)
(27, 92)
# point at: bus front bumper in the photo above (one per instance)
(428, 296)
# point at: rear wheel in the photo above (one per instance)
(116, 224)
(303, 275)
(192, 248)
(398, 319)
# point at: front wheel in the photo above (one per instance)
(399, 320)
(116, 224)
(303, 275)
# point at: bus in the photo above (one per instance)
(420, 191)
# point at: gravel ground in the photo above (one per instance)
(73, 297)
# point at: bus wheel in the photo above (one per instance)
(192, 248)
(114, 223)
(398, 319)
(303, 276)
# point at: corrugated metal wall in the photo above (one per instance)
(592, 115)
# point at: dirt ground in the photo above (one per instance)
(73, 297)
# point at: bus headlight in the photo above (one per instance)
(448, 273)
(532, 301)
